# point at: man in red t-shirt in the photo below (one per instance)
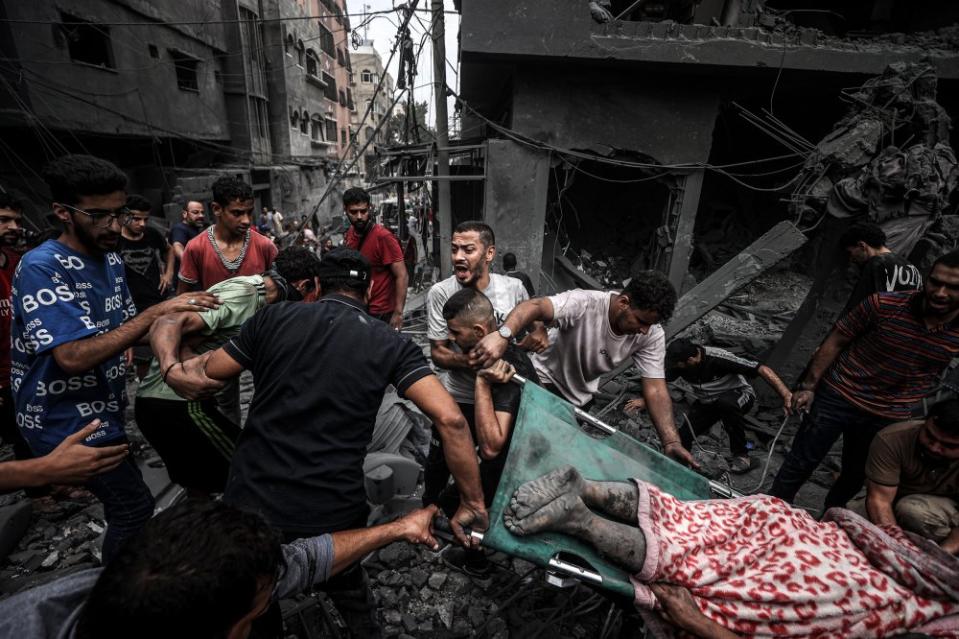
(382, 249)
(10, 232)
(230, 247)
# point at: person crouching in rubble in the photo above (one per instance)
(469, 317)
(912, 477)
(593, 332)
(200, 569)
(718, 381)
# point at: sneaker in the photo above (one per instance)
(740, 464)
(471, 562)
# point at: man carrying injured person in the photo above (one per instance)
(191, 435)
(593, 332)
(320, 371)
(751, 566)
(470, 317)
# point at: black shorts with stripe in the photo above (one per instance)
(194, 440)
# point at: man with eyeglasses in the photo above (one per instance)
(230, 247)
(73, 318)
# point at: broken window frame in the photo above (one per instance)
(329, 91)
(187, 70)
(312, 63)
(327, 42)
(73, 28)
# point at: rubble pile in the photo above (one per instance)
(612, 271)
(64, 536)
(418, 595)
(944, 38)
(887, 161)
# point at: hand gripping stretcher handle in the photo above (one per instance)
(442, 529)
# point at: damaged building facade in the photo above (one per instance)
(177, 94)
(695, 139)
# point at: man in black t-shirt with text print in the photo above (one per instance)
(880, 270)
(320, 372)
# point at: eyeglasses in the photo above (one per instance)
(103, 217)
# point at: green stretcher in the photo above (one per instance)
(546, 436)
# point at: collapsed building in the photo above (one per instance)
(710, 145)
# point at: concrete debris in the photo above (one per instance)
(859, 171)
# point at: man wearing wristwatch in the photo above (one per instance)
(878, 363)
(593, 332)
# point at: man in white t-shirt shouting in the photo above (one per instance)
(473, 249)
(593, 332)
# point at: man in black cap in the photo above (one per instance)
(321, 371)
(194, 439)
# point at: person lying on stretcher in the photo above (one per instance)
(751, 566)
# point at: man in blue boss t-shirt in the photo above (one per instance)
(73, 318)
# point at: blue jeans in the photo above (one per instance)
(829, 417)
(127, 504)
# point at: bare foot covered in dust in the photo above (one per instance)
(536, 493)
(566, 514)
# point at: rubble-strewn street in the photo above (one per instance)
(504, 319)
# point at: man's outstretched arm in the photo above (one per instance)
(660, 408)
(72, 462)
(313, 560)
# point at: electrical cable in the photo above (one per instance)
(769, 456)
(340, 173)
(147, 22)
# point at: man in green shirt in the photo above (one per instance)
(194, 439)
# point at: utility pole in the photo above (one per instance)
(441, 211)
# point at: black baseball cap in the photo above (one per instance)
(344, 262)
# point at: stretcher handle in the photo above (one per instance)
(442, 529)
(581, 414)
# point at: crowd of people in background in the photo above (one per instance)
(319, 327)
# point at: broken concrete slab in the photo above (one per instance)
(767, 251)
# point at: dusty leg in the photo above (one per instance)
(619, 499)
(616, 498)
(535, 494)
(623, 544)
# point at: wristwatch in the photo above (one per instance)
(505, 332)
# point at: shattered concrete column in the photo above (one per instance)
(515, 202)
(687, 203)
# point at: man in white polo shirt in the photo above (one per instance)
(593, 332)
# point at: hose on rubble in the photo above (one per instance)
(769, 456)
